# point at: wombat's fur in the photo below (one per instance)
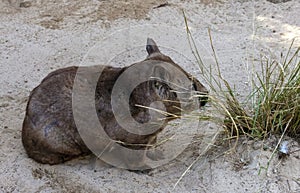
(49, 132)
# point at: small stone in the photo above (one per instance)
(257, 145)
(25, 4)
(3, 105)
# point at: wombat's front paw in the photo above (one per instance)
(155, 154)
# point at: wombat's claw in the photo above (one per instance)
(145, 171)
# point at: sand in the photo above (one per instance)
(37, 37)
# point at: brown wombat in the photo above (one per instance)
(49, 132)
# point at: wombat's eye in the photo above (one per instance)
(156, 84)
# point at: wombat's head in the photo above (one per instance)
(177, 79)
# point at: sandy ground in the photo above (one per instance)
(42, 36)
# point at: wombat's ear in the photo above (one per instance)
(151, 47)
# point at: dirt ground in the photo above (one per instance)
(37, 37)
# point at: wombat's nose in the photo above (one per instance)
(202, 92)
(203, 99)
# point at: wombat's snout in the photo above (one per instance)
(201, 92)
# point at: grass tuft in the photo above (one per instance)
(276, 106)
(273, 106)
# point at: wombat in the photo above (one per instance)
(49, 132)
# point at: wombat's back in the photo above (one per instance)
(49, 132)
